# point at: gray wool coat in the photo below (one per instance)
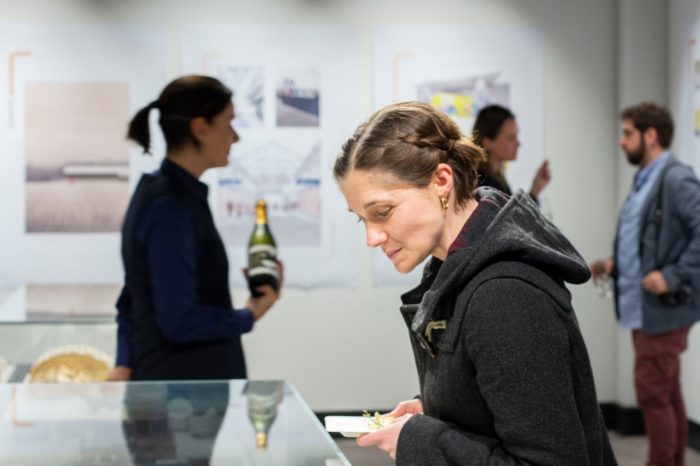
(508, 381)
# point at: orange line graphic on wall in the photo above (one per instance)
(11, 68)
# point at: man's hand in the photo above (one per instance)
(601, 268)
(655, 283)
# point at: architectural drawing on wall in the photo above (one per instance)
(298, 97)
(248, 84)
(688, 145)
(288, 179)
(459, 70)
(697, 94)
(52, 302)
(64, 108)
(77, 168)
(287, 160)
(686, 105)
(12, 60)
(462, 98)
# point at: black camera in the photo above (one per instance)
(676, 297)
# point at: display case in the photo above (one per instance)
(243, 423)
(142, 423)
(36, 320)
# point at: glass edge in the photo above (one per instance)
(318, 425)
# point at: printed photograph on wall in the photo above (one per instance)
(283, 79)
(248, 84)
(287, 175)
(66, 302)
(76, 156)
(462, 98)
(65, 102)
(298, 97)
(427, 63)
(697, 90)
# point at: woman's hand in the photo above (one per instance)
(387, 438)
(414, 406)
(119, 374)
(541, 179)
(260, 305)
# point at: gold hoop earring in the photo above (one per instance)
(443, 203)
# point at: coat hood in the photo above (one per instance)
(504, 230)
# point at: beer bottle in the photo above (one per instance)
(262, 252)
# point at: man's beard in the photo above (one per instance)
(636, 157)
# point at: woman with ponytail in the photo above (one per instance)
(175, 316)
(496, 130)
(503, 369)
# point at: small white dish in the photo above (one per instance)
(348, 426)
(352, 426)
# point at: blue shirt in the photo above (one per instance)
(629, 268)
(167, 235)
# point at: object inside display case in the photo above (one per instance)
(71, 364)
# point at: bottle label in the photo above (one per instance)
(262, 260)
(266, 248)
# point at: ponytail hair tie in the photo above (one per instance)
(451, 144)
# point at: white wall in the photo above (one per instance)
(653, 48)
(348, 349)
(684, 16)
(642, 75)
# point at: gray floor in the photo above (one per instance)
(630, 451)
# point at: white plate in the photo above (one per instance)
(351, 426)
(348, 426)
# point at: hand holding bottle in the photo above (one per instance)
(266, 294)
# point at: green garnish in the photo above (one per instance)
(376, 421)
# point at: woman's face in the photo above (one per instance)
(504, 147)
(219, 137)
(406, 222)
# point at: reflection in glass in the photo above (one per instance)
(183, 423)
(263, 398)
(177, 422)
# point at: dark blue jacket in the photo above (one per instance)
(176, 319)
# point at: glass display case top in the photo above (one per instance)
(148, 423)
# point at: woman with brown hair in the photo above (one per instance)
(503, 369)
(496, 130)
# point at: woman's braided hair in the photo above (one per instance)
(408, 140)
